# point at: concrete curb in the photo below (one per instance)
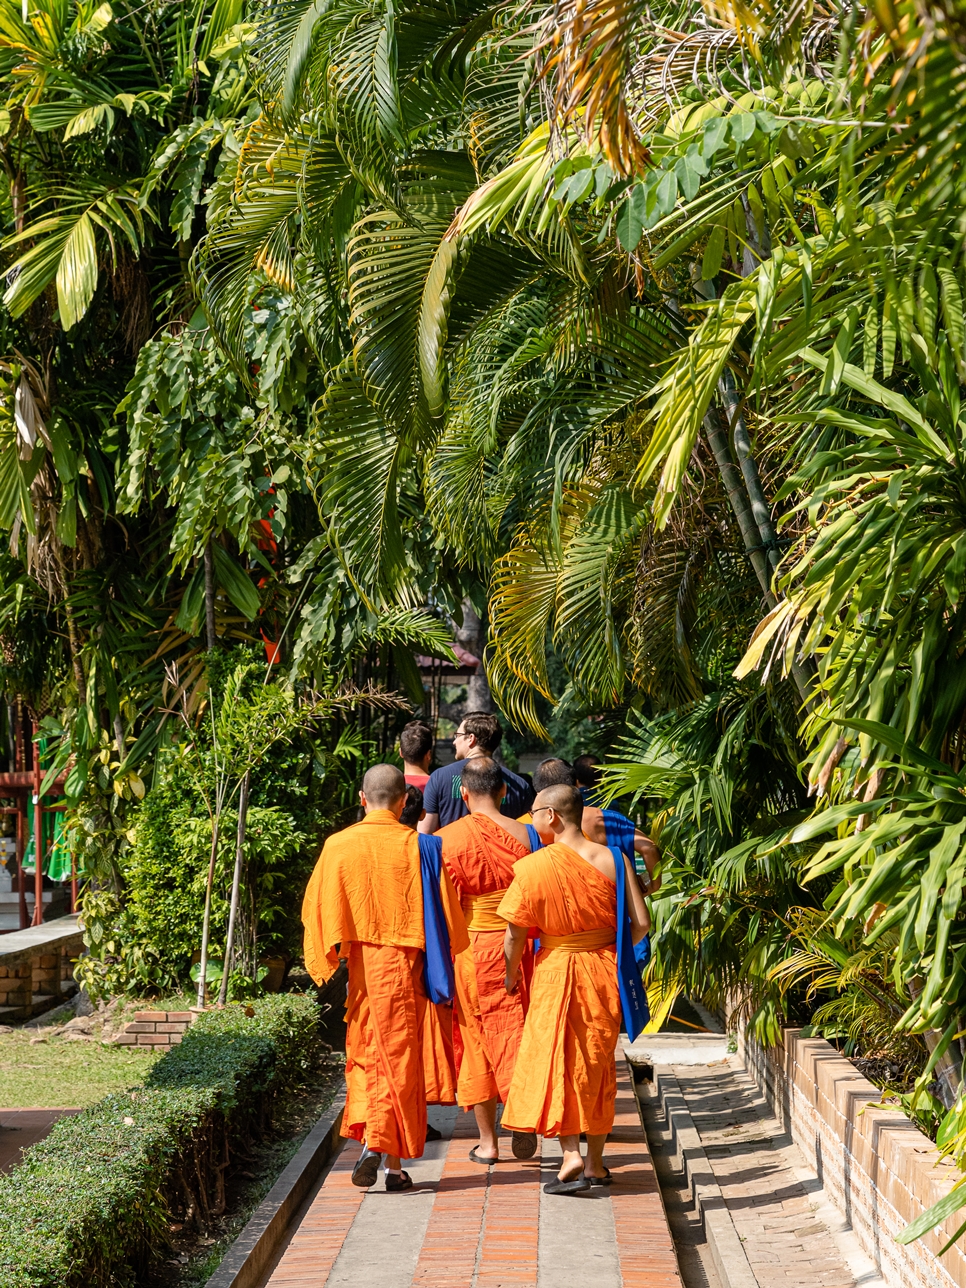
(727, 1250)
(629, 1065)
(250, 1255)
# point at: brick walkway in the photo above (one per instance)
(759, 1172)
(22, 1127)
(465, 1226)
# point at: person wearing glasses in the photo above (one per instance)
(589, 911)
(605, 826)
(479, 734)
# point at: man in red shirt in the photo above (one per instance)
(416, 749)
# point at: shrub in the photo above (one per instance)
(89, 1206)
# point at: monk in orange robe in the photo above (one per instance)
(479, 853)
(565, 1078)
(554, 771)
(364, 903)
(439, 1059)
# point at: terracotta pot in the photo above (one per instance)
(276, 973)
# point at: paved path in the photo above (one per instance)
(792, 1237)
(465, 1226)
(22, 1127)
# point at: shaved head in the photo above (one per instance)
(384, 786)
(566, 801)
(483, 777)
(551, 772)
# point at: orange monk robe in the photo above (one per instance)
(364, 902)
(480, 856)
(565, 1078)
(439, 1055)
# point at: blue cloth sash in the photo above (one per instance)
(534, 835)
(620, 831)
(438, 960)
(634, 1008)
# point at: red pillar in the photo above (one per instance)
(38, 836)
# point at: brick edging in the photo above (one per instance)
(251, 1253)
(877, 1168)
(156, 1029)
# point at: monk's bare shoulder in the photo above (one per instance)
(592, 824)
(597, 855)
(517, 830)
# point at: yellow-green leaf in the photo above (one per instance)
(77, 273)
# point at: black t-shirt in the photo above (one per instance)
(441, 795)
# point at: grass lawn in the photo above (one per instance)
(60, 1074)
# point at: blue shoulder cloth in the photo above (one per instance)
(534, 835)
(620, 836)
(438, 962)
(630, 985)
(620, 832)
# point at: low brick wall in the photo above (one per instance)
(16, 987)
(876, 1166)
(159, 1029)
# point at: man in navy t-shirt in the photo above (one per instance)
(479, 734)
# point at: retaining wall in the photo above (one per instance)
(876, 1166)
(36, 967)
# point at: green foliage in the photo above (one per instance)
(90, 1204)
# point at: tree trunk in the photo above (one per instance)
(212, 638)
(73, 640)
(235, 889)
(735, 487)
(767, 532)
(472, 636)
(206, 925)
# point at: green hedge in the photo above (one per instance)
(89, 1206)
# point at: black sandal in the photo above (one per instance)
(396, 1184)
(523, 1144)
(606, 1179)
(577, 1185)
(475, 1157)
(366, 1169)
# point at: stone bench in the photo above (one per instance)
(36, 968)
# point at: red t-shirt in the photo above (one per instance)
(417, 780)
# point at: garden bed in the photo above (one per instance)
(103, 1197)
(193, 1258)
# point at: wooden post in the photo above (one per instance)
(38, 836)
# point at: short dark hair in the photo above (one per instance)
(565, 799)
(415, 741)
(586, 768)
(482, 777)
(485, 728)
(413, 809)
(552, 772)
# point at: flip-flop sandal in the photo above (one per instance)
(366, 1169)
(606, 1179)
(579, 1185)
(396, 1184)
(475, 1157)
(523, 1144)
